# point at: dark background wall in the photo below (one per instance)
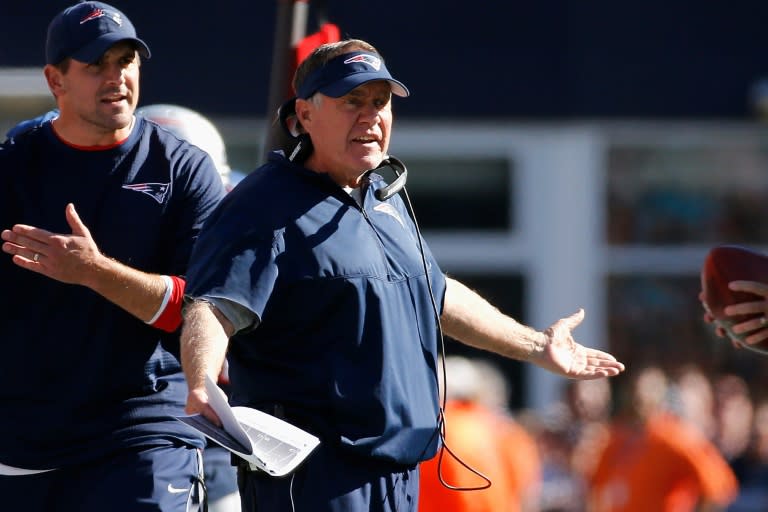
(526, 60)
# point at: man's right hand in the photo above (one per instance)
(197, 403)
(69, 258)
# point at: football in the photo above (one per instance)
(727, 263)
(722, 265)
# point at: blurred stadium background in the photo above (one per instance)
(563, 154)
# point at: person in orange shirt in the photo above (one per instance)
(521, 452)
(522, 464)
(490, 462)
(654, 460)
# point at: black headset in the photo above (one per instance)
(297, 146)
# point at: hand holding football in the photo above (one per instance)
(727, 263)
(722, 265)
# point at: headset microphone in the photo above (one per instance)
(396, 186)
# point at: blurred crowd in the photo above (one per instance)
(652, 439)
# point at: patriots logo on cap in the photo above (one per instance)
(99, 13)
(372, 61)
(156, 191)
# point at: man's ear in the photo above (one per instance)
(303, 112)
(53, 76)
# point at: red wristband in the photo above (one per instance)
(170, 318)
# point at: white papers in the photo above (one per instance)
(266, 442)
(6, 470)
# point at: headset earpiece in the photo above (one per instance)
(300, 144)
(302, 149)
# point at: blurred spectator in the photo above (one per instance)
(480, 437)
(695, 399)
(562, 489)
(654, 460)
(194, 127)
(589, 404)
(758, 98)
(523, 464)
(569, 435)
(752, 468)
(734, 417)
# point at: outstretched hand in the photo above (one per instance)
(564, 356)
(64, 257)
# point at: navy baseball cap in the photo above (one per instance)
(86, 30)
(343, 73)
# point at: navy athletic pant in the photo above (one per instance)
(329, 481)
(158, 479)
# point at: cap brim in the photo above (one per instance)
(341, 87)
(96, 48)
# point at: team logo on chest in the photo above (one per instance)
(157, 191)
(389, 210)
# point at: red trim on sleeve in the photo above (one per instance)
(170, 319)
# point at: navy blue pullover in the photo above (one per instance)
(80, 378)
(346, 340)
